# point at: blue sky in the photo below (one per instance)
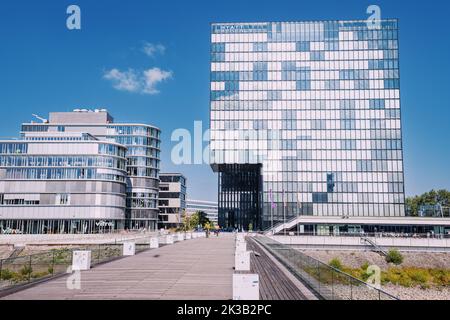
(45, 67)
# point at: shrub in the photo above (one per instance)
(394, 256)
(419, 276)
(336, 263)
(440, 277)
(7, 274)
(397, 276)
(26, 270)
(364, 275)
(62, 255)
(37, 275)
(365, 266)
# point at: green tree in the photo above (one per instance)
(203, 218)
(191, 222)
(428, 198)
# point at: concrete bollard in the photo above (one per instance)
(188, 236)
(81, 260)
(154, 243)
(241, 246)
(180, 236)
(242, 261)
(169, 239)
(245, 287)
(129, 249)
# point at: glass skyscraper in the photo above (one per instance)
(305, 120)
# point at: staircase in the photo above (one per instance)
(281, 226)
(374, 245)
(16, 252)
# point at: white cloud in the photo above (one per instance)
(123, 81)
(151, 49)
(152, 77)
(144, 82)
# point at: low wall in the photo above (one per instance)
(48, 239)
(348, 243)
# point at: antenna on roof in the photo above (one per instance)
(40, 118)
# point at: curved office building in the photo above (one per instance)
(143, 144)
(95, 175)
(62, 184)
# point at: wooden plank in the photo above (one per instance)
(274, 284)
(193, 269)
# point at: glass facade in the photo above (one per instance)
(143, 153)
(317, 105)
(132, 150)
(209, 207)
(60, 184)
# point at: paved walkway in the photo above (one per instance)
(193, 269)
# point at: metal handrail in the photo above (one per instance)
(375, 245)
(365, 234)
(352, 279)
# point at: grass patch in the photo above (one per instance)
(402, 276)
(335, 263)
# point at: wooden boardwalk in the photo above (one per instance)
(274, 284)
(196, 269)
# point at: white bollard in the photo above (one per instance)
(180, 236)
(194, 235)
(245, 287)
(241, 246)
(154, 243)
(242, 261)
(188, 236)
(81, 260)
(169, 239)
(129, 248)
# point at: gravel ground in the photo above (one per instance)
(355, 259)
(361, 293)
(418, 293)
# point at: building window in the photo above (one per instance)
(330, 182)
(320, 197)
(63, 199)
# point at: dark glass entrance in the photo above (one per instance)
(240, 190)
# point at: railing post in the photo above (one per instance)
(29, 270)
(351, 289)
(318, 274)
(53, 262)
(332, 284)
(98, 255)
